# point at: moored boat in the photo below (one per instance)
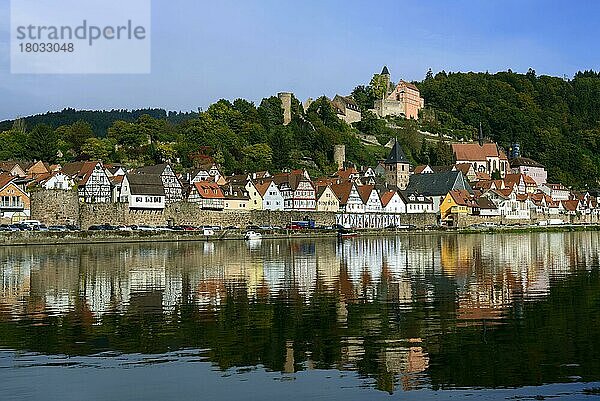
(250, 235)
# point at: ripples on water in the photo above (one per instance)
(490, 316)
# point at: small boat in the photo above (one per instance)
(250, 235)
(345, 233)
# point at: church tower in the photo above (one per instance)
(397, 167)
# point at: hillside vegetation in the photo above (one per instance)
(556, 122)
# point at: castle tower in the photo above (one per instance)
(286, 104)
(385, 73)
(339, 155)
(397, 167)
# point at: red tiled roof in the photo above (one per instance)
(5, 179)
(365, 192)
(386, 197)
(570, 205)
(342, 191)
(463, 198)
(475, 152)
(209, 190)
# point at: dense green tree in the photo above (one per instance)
(42, 143)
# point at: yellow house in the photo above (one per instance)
(327, 200)
(256, 200)
(235, 197)
(457, 201)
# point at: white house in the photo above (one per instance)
(143, 191)
(414, 203)
(557, 192)
(350, 200)
(57, 180)
(391, 202)
(370, 198)
(272, 199)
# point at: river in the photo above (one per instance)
(415, 316)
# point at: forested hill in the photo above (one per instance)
(99, 120)
(556, 121)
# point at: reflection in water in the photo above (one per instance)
(408, 312)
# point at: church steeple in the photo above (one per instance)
(397, 167)
(480, 135)
(385, 70)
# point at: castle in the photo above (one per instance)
(402, 100)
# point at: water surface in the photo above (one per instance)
(483, 316)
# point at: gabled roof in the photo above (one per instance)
(80, 170)
(386, 197)
(156, 169)
(385, 70)
(345, 173)
(570, 205)
(262, 186)
(463, 168)
(485, 203)
(437, 184)
(6, 179)
(365, 192)
(408, 85)
(419, 169)
(463, 198)
(396, 155)
(342, 191)
(412, 197)
(524, 162)
(238, 192)
(476, 152)
(209, 190)
(145, 184)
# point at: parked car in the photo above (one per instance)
(72, 227)
(58, 228)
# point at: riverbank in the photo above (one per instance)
(27, 238)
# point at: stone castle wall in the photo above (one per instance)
(183, 213)
(55, 207)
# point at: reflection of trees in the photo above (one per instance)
(393, 310)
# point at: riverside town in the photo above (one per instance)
(268, 200)
(480, 185)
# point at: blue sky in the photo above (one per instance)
(206, 50)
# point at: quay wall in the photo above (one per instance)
(463, 221)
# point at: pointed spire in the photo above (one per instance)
(385, 70)
(396, 155)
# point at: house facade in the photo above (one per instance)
(327, 201)
(172, 186)
(93, 184)
(14, 201)
(143, 192)
(208, 195)
(272, 199)
(531, 168)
